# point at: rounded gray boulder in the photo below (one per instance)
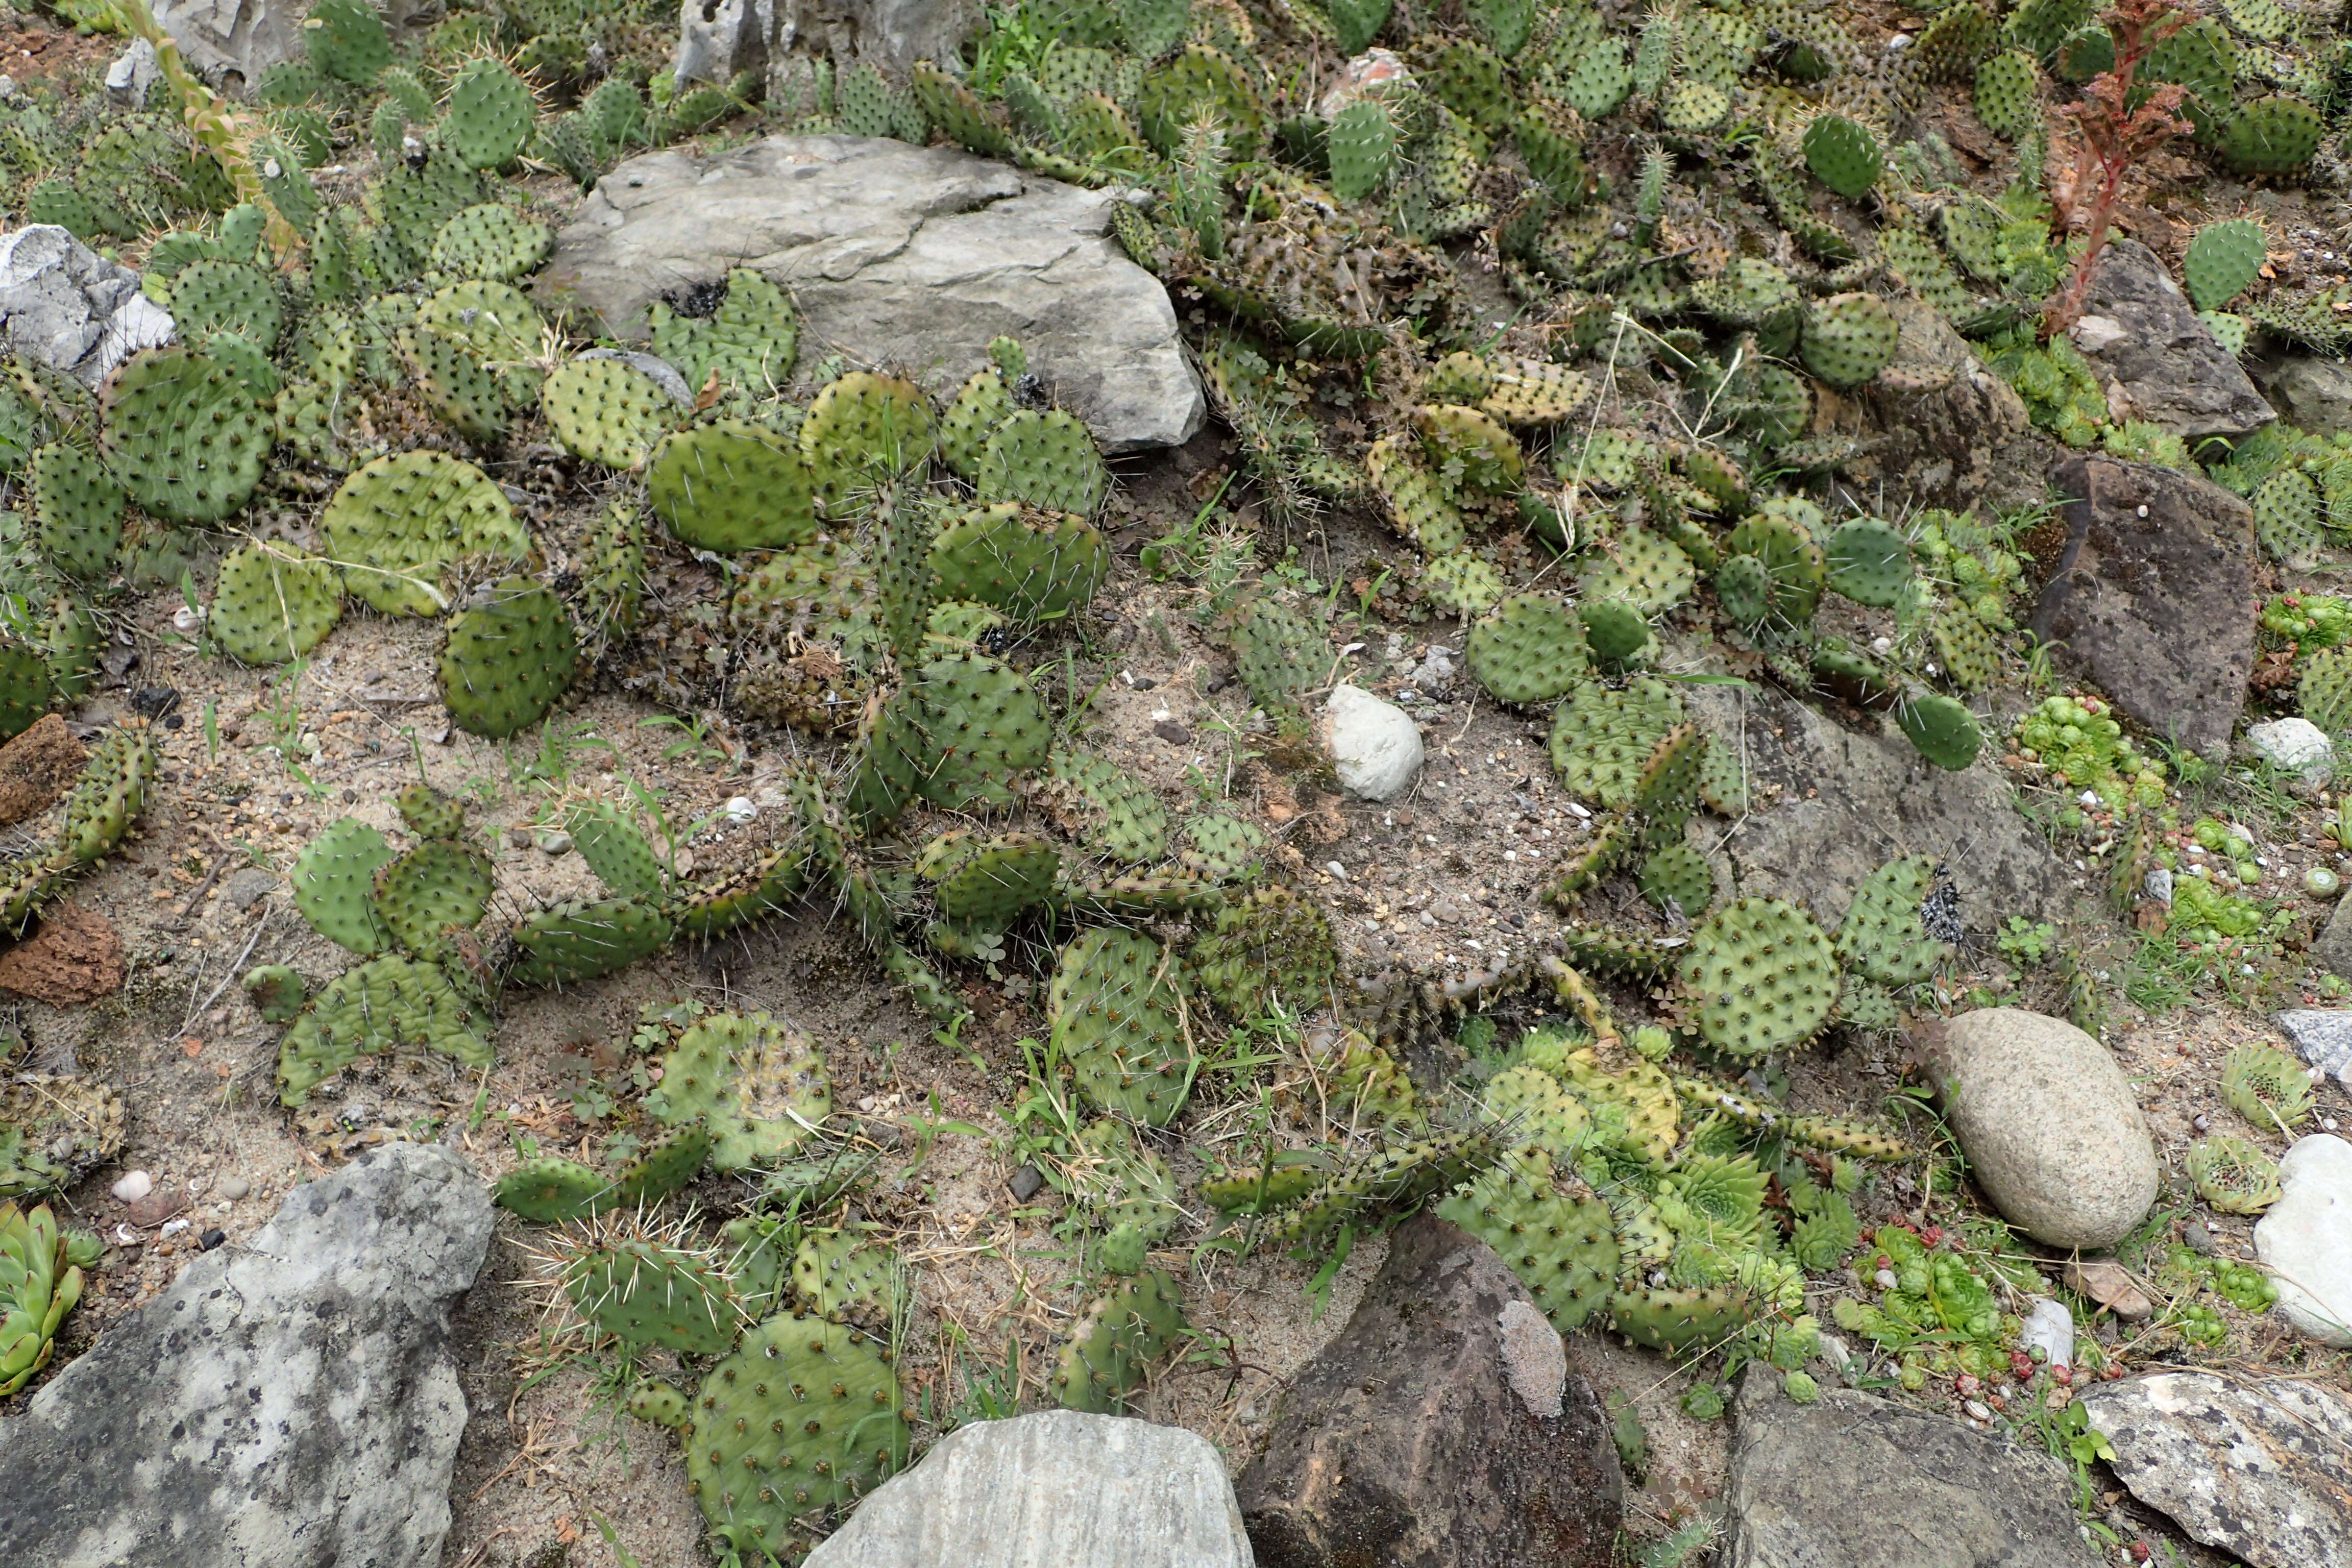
(2048, 1122)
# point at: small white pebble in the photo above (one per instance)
(1886, 1280)
(1577, 807)
(740, 809)
(188, 618)
(2141, 509)
(2328, 1123)
(1510, 853)
(1371, 925)
(1474, 941)
(1899, 41)
(1335, 869)
(134, 1186)
(1978, 1409)
(125, 1236)
(1881, 644)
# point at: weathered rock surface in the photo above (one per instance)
(1953, 433)
(2294, 746)
(1872, 796)
(68, 306)
(1407, 1441)
(719, 39)
(1374, 745)
(1855, 1481)
(232, 42)
(2310, 393)
(290, 1401)
(908, 257)
(2306, 1239)
(2158, 362)
(37, 767)
(1058, 1487)
(76, 957)
(2048, 1121)
(2154, 596)
(2253, 1467)
(2323, 1035)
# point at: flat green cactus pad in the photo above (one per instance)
(1119, 1020)
(732, 486)
(759, 1085)
(334, 885)
(1034, 566)
(395, 522)
(272, 603)
(1762, 977)
(385, 1005)
(576, 940)
(509, 654)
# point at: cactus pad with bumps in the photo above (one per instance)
(606, 411)
(385, 1005)
(509, 654)
(1034, 566)
(1119, 1020)
(577, 940)
(334, 885)
(1114, 1344)
(272, 603)
(1045, 460)
(1532, 649)
(646, 1293)
(861, 432)
(185, 435)
(732, 485)
(759, 1085)
(1563, 1250)
(1761, 978)
(1601, 739)
(395, 522)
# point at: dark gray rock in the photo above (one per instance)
(68, 306)
(1849, 799)
(2158, 362)
(290, 1401)
(2050, 1125)
(1943, 431)
(1420, 1436)
(2309, 393)
(908, 257)
(2154, 597)
(2255, 1466)
(245, 888)
(2332, 948)
(1059, 1487)
(1853, 1481)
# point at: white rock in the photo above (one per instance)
(134, 1186)
(740, 809)
(2294, 746)
(70, 307)
(2051, 1327)
(1374, 745)
(2093, 334)
(2305, 1239)
(1535, 1358)
(132, 74)
(1058, 1487)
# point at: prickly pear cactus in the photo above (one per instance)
(183, 433)
(984, 883)
(1280, 655)
(435, 888)
(1045, 460)
(1271, 947)
(1113, 1345)
(1603, 739)
(489, 115)
(1118, 1021)
(805, 1416)
(861, 432)
(509, 654)
(576, 941)
(1563, 1250)
(732, 486)
(1034, 566)
(76, 510)
(1761, 978)
(1849, 338)
(757, 1085)
(385, 1005)
(1868, 562)
(1114, 813)
(749, 340)
(1944, 731)
(1532, 649)
(1882, 936)
(334, 886)
(644, 1292)
(272, 603)
(836, 1272)
(492, 241)
(550, 1190)
(606, 411)
(397, 521)
(2223, 261)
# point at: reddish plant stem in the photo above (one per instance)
(2110, 138)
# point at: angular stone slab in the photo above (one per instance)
(2155, 595)
(2305, 1239)
(290, 1400)
(1058, 1487)
(907, 257)
(1855, 1481)
(2258, 1468)
(2156, 360)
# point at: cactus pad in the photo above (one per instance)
(1868, 562)
(1113, 1345)
(1033, 566)
(643, 1292)
(508, 657)
(861, 432)
(385, 1005)
(1045, 460)
(434, 888)
(1882, 936)
(334, 885)
(732, 486)
(1849, 338)
(1944, 732)
(272, 603)
(1270, 947)
(576, 940)
(185, 435)
(2224, 261)
(757, 1085)
(1531, 649)
(1601, 740)
(1119, 1020)
(1761, 976)
(606, 411)
(395, 522)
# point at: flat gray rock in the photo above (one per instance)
(2153, 596)
(2158, 362)
(68, 306)
(2256, 1467)
(2052, 1133)
(1851, 799)
(2305, 1239)
(1853, 1481)
(2310, 393)
(909, 258)
(290, 1401)
(2323, 1035)
(1056, 1490)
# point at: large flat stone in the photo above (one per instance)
(2158, 362)
(2305, 1239)
(1438, 1430)
(1850, 799)
(2255, 1466)
(290, 1401)
(2153, 596)
(1853, 1481)
(907, 257)
(1055, 1490)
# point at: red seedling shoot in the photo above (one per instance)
(2110, 137)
